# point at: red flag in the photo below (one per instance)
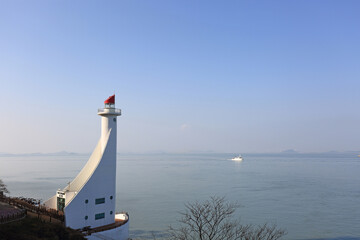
(110, 100)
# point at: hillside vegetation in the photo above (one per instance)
(35, 229)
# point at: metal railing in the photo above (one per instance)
(110, 110)
(31, 206)
(10, 215)
(86, 231)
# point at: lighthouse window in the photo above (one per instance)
(114, 119)
(111, 197)
(99, 216)
(86, 201)
(111, 212)
(99, 200)
(86, 217)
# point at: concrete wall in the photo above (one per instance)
(96, 180)
(120, 233)
(101, 184)
(51, 203)
(87, 171)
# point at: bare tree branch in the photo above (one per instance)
(3, 187)
(213, 220)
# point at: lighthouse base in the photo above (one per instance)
(118, 232)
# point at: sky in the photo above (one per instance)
(189, 76)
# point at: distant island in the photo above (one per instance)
(61, 153)
(287, 153)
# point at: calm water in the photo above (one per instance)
(311, 197)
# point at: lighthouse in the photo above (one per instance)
(89, 201)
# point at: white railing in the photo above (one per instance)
(110, 110)
(124, 216)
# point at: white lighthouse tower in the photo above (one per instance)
(89, 200)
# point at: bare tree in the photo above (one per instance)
(3, 187)
(213, 220)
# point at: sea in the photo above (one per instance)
(311, 196)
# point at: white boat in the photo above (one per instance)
(237, 158)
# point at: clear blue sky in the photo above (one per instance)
(226, 76)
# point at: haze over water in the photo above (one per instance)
(190, 76)
(311, 196)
